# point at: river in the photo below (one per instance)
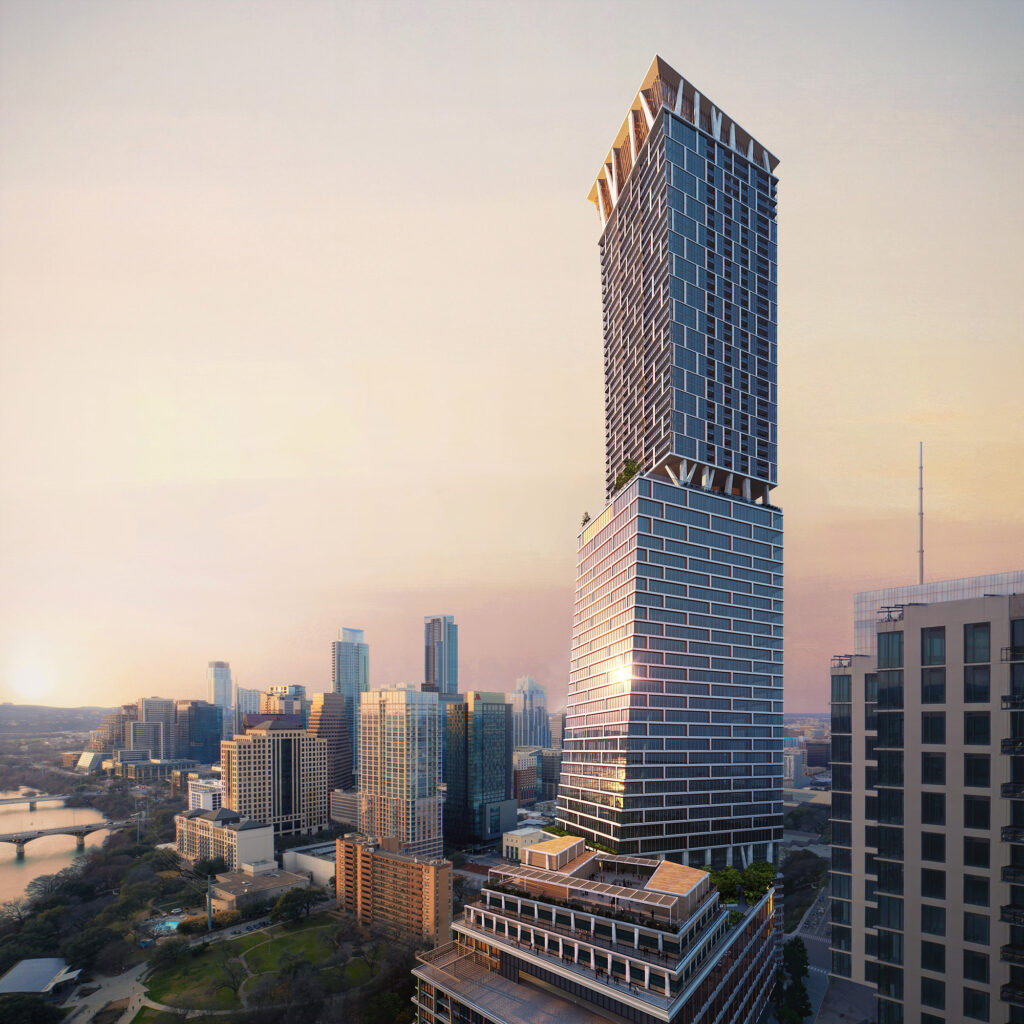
(45, 856)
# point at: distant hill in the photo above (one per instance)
(35, 719)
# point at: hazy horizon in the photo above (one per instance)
(300, 322)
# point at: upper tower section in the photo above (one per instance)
(687, 200)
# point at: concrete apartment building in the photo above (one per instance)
(379, 883)
(328, 719)
(204, 835)
(928, 802)
(278, 776)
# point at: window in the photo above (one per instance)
(976, 928)
(890, 768)
(933, 884)
(976, 771)
(933, 769)
(933, 957)
(933, 920)
(933, 993)
(975, 1004)
(933, 646)
(975, 966)
(933, 686)
(976, 812)
(841, 690)
(933, 727)
(890, 877)
(933, 808)
(890, 650)
(890, 729)
(976, 684)
(933, 846)
(976, 890)
(890, 806)
(976, 852)
(976, 642)
(976, 728)
(890, 913)
(890, 842)
(890, 947)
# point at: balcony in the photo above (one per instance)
(1012, 914)
(1013, 745)
(1013, 701)
(1013, 874)
(1012, 833)
(1012, 654)
(1012, 789)
(1011, 954)
(1012, 994)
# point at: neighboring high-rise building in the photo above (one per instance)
(328, 719)
(527, 769)
(199, 727)
(277, 776)
(675, 695)
(551, 940)
(160, 711)
(219, 690)
(207, 834)
(441, 653)
(556, 724)
(400, 768)
(286, 699)
(928, 801)
(247, 702)
(551, 772)
(350, 676)
(530, 727)
(204, 794)
(113, 733)
(379, 883)
(479, 805)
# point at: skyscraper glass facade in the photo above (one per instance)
(530, 724)
(350, 676)
(673, 732)
(441, 653)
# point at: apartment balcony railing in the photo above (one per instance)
(1013, 745)
(1011, 954)
(1012, 833)
(1012, 701)
(1012, 789)
(1011, 914)
(1012, 994)
(1012, 654)
(1012, 874)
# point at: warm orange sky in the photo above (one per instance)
(300, 321)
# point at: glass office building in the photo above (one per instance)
(350, 676)
(441, 653)
(673, 730)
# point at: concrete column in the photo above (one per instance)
(668, 990)
(627, 972)
(592, 922)
(592, 964)
(614, 934)
(647, 975)
(536, 912)
(80, 842)
(572, 920)
(546, 937)
(661, 943)
(636, 938)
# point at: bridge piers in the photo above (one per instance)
(32, 805)
(80, 842)
(19, 849)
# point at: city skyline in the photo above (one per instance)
(178, 460)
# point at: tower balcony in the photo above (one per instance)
(1012, 789)
(1011, 914)
(1011, 654)
(1013, 701)
(1012, 994)
(1013, 745)
(1013, 874)
(1012, 834)
(1011, 954)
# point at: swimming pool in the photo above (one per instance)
(166, 926)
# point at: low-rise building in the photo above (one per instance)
(377, 882)
(318, 861)
(204, 835)
(345, 806)
(204, 794)
(515, 842)
(235, 890)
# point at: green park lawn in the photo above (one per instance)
(357, 972)
(308, 939)
(188, 982)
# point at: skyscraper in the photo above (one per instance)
(674, 714)
(350, 676)
(328, 720)
(160, 712)
(441, 653)
(400, 768)
(199, 728)
(928, 801)
(530, 726)
(247, 702)
(218, 683)
(478, 804)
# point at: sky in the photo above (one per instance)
(300, 321)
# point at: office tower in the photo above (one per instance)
(551, 940)
(556, 726)
(441, 653)
(350, 676)
(247, 702)
(400, 768)
(379, 883)
(479, 805)
(551, 772)
(286, 699)
(146, 736)
(328, 720)
(204, 794)
(113, 733)
(928, 801)
(218, 684)
(673, 725)
(159, 711)
(530, 727)
(276, 776)
(527, 769)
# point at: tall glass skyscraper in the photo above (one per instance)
(673, 732)
(441, 653)
(529, 702)
(350, 676)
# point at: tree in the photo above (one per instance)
(14, 910)
(757, 879)
(29, 1010)
(584, 520)
(232, 972)
(630, 469)
(289, 906)
(727, 881)
(209, 866)
(796, 1000)
(168, 951)
(795, 960)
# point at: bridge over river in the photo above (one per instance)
(39, 798)
(19, 839)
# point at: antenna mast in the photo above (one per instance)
(920, 512)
